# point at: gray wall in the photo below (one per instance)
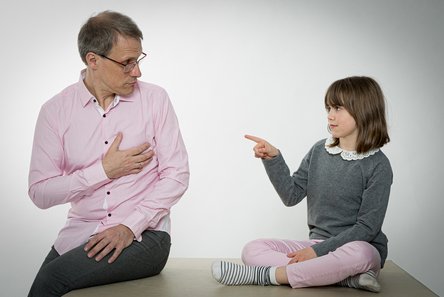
(235, 67)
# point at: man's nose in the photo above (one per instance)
(136, 71)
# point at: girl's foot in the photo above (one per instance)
(365, 281)
(232, 274)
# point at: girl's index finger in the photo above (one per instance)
(253, 138)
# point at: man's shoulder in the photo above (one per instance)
(152, 94)
(63, 96)
(150, 87)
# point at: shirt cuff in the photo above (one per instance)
(95, 174)
(134, 222)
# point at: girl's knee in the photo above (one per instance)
(251, 250)
(364, 253)
(365, 249)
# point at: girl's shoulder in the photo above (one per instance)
(380, 159)
(317, 148)
(320, 144)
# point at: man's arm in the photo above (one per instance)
(49, 185)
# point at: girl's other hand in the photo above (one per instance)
(263, 149)
(302, 255)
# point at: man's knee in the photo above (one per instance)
(47, 283)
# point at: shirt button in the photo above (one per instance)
(104, 116)
(106, 141)
(109, 215)
(108, 192)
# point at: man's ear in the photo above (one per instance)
(91, 60)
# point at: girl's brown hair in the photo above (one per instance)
(362, 97)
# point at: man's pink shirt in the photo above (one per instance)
(71, 138)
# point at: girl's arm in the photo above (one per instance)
(292, 189)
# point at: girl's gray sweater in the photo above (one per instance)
(346, 200)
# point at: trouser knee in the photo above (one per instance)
(251, 250)
(46, 284)
(364, 254)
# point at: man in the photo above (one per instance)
(109, 145)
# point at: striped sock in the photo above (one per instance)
(365, 281)
(232, 274)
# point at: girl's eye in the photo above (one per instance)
(337, 108)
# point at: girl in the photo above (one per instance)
(346, 179)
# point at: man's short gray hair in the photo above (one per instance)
(100, 32)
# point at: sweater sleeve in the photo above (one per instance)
(292, 189)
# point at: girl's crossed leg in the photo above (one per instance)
(355, 264)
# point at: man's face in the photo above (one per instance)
(111, 74)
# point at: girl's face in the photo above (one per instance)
(343, 127)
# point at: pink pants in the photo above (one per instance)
(350, 259)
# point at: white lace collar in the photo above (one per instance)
(346, 155)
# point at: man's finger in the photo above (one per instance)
(91, 243)
(117, 141)
(116, 254)
(253, 138)
(96, 249)
(145, 156)
(138, 149)
(104, 252)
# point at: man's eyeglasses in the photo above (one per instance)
(128, 66)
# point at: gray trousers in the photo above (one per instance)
(74, 270)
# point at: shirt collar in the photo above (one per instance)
(86, 97)
(346, 155)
